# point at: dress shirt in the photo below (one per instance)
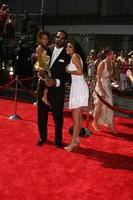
(55, 54)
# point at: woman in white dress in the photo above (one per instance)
(103, 114)
(78, 91)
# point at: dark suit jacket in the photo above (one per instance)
(58, 72)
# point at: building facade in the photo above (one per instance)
(95, 23)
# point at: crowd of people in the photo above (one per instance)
(122, 62)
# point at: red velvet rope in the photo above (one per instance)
(122, 110)
(7, 85)
(31, 93)
(28, 91)
(27, 79)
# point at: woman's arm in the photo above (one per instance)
(99, 75)
(77, 62)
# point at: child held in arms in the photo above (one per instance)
(43, 56)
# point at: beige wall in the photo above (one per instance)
(94, 29)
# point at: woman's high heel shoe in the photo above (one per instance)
(95, 127)
(112, 129)
(72, 147)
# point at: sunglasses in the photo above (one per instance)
(61, 38)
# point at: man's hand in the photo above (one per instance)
(50, 82)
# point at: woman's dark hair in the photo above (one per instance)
(41, 33)
(105, 52)
(78, 49)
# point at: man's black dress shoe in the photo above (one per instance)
(41, 141)
(58, 145)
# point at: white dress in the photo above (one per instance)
(106, 116)
(79, 91)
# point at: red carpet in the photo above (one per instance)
(102, 169)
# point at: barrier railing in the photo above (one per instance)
(17, 81)
(7, 84)
(15, 116)
(114, 108)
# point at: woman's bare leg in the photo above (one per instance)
(76, 113)
(97, 109)
(77, 122)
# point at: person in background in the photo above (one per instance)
(116, 68)
(103, 114)
(25, 23)
(56, 91)
(10, 28)
(78, 91)
(129, 75)
(91, 62)
(124, 66)
(4, 12)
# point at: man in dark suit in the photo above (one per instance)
(56, 91)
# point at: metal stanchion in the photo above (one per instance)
(35, 103)
(15, 116)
